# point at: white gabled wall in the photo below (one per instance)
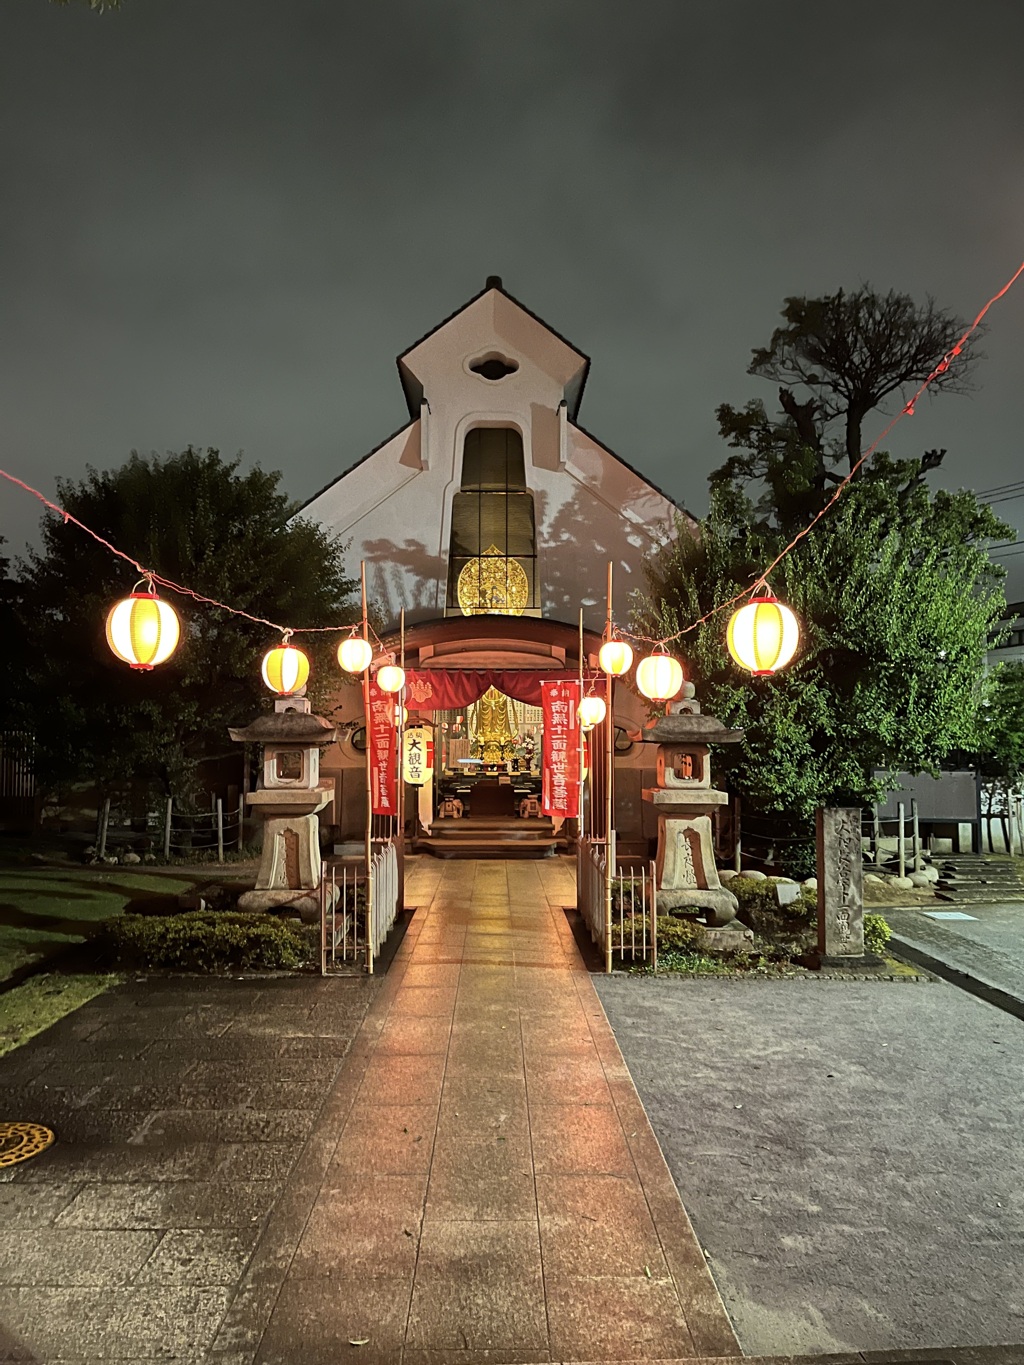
(395, 506)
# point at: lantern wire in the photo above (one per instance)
(906, 411)
(151, 576)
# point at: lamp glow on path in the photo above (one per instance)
(355, 654)
(142, 630)
(659, 677)
(762, 636)
(285, 669)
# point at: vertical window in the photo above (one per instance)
(493, 548)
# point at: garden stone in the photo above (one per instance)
(755, 876)
(726, 874)
(920, 880)
(902, 883)
(811, 883)
(131, 858)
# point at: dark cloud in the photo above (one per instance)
(220, 222)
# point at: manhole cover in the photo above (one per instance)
(19, 1141)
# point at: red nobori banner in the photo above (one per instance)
(383, 748)
(561, 768)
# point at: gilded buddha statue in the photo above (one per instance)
(492, 725)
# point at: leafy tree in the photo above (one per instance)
(1000, 742)
(894, 587)
(195, 519)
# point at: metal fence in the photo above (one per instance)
(618, 906)
(357, 912)
(384, 895)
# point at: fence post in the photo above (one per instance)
(220, 830)
(654, 923)
(167, 826)
(901, 838)
(915, 834)
(101, 847)
(737, 857)
(876, 830)
(241, 817)
(609, 864)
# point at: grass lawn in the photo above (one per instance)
(33, 1006)
(43, 909)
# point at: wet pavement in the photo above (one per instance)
(448, 1163)
(848, 1153)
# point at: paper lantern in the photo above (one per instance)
(142, 630)
(659, 676)
(417, 755)
(763, 635)
(355, 654)
(391, 678)
(285, 669)
(615, 657)
(591, 712)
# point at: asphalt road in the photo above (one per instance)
(849, 1154)
(988, 943)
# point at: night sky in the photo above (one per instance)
(221, 220)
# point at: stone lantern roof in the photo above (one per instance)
(687, 728)
(285, 727)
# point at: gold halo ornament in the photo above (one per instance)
(285, 670)
(763, 636)
(659, 677)
(615, 657)
(493, 584)
(142, 630)
(355, 654)
(592, 711)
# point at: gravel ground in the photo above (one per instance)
(849, 1154)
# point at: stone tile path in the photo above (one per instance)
(445, 1164)
(493, 1189)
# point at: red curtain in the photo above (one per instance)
(441, 689)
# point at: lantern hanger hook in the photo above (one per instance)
(286, 635)
(147, 579)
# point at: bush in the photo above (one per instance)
(876, 934)
(673, 934)
(208, 941)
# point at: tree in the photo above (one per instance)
(195, 519)
(1000, 743)
(850, 352)
(894, 588)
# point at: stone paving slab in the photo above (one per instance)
(849, 1155)
(177, 1129)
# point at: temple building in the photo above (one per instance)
(490, 517)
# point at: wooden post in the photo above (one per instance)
(609, 816)
(167, 826)
(876, 831)
(901, 839)
(101, 847)
(239, 840)
(220, 830)
(737, 857)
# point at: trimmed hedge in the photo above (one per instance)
(759, 902)
(673, 934)
(209, 941)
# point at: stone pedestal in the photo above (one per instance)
(288, 800)
(841, 890)
(683, 800)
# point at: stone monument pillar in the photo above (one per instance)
(841, 890)
(288, 799)
(683, 800)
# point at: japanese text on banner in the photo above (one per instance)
(560, 795)
(382, 740)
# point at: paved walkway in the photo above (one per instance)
(987, 943)
(484, 1184)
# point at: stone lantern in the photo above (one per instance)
(288, 798)
(684, 800)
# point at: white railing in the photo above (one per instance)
(619, 908)
(340, 936)
(383, 897)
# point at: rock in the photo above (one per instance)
(932, 873)
(110, 861)
(89, 851)
(784, 881)
(901, 883)
(149, 857)
(874, 878)
(131, 858)
(919, 879)
(755, 876)
(811, 883)
(726, 874)
(190, 901)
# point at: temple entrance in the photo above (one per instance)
(487, 784)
